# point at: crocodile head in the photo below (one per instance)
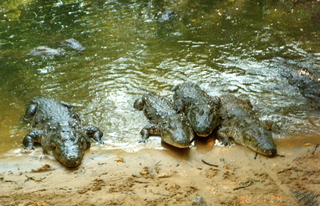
(176, 131)
(68, 144)
(204, 118)
(260, 140)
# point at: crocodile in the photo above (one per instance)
(59, 131)
(173, 127)
(202, 110)
(74, 44)
(304, 76)
(308, 85)
(167, 15)
(305, 198)
(240, 124)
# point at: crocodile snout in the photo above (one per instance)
(72, 160)
(272, 152)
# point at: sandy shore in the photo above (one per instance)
(164, 177)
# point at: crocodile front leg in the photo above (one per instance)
(138, 104)
(94, 133)
(30, 112)
(147, 131)
(179, 105)
(66, 104)
(31, 138)
(223, 136)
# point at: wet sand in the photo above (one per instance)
(164, 177)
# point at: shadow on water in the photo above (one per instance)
(224, 46)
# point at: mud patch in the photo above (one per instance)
(155, 177)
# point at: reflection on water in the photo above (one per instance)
(224, 46)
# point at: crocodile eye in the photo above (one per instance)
(52, 128)
(171, 127)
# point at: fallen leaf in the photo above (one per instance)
(120, 159)
(44, 168)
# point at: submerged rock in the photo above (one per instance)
(45, 51)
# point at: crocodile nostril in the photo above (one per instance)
(72, 157)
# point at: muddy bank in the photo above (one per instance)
(164, 177)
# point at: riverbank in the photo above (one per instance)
(220, 175)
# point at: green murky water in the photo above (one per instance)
(224, 46)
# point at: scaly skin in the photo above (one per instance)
(201, 110)
(240, 124)
(59, 131)
(309, 85)
(173, 127)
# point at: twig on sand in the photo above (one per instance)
(314, 150)
(32, 178)
(291, 168)
(207, 163)
(44, 168)
(157, 163)
(246, 184)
